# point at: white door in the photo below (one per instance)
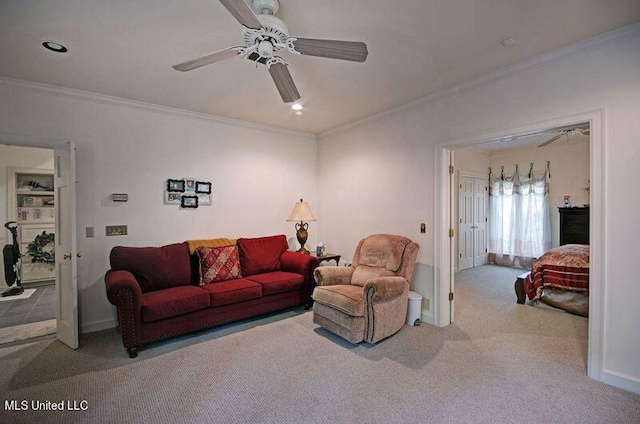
(480, 199)
(66, 248)
(472, 221)
(465, 222)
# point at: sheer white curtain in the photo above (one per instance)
(519, 218)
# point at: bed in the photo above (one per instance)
(560, 279)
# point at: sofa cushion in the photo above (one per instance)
(167, 303)
(345, 298)
(363, 273)
(278, 282)
(233, 291)
(262, 254)
(154, 268)
(218, 264)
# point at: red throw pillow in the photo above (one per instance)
(218, 264)
(262, 254)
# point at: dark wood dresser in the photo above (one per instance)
(574, 225)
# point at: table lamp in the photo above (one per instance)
(302, 212)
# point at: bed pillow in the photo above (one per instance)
(218, 264)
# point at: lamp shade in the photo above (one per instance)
(301, 212)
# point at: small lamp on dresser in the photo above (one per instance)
(302, 212)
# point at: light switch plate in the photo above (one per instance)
(116, 230)
(423, 227)
(89, 231)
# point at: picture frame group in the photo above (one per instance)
(187, 192)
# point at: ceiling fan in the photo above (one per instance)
(264, 35)
(566, 133)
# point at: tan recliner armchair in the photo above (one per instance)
(367, 300)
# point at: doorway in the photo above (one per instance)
(27, 200)
(445, 245)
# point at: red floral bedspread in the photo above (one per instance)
(565, 267)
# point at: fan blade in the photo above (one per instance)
(205, 60)
(551, 141)
(242, 12)
(346, 50)
(284, 82)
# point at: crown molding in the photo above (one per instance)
(72, 93)
(590, 44)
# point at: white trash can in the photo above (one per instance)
(414, 309)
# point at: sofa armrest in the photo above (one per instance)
(300, 264)
(333, 275)
(124, 292)
(384, 288)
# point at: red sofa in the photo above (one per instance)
(158, 294)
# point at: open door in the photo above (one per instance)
(66, 247)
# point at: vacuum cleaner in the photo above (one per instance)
(12, 258)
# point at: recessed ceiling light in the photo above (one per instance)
(509, 42)
(54, 47)
(297, 106)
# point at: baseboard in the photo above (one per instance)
(90, 327)
(427, 317)
(621, 381)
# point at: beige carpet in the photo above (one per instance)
(27, 331)
(499, 363)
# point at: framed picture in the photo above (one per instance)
(190, 185)
(203, 187)
(175, 186)
(189, 201)
(204, 198)
(171, 198)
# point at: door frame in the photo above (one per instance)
(442, 242)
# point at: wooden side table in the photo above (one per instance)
(325, 257)
(328, 257)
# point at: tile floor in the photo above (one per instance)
(40, 306)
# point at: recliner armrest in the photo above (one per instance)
(333, 275)
(384, 288)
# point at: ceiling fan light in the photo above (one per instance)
(265, 49)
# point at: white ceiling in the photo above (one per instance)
(125, 48)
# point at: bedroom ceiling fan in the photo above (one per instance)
(566, 133)
(265, 35)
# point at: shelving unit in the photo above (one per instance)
(31, 202)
